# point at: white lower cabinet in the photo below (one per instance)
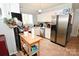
(37, 30)
(47, 33)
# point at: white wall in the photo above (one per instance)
(8, 32)
(10, 39)
(75, 24)
(6, 11)
(15, 7)
(7, 8)
(27, 19)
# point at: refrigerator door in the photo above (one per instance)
(62, 24)
(53, 33)
(53, 28)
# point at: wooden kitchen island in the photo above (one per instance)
(27, 41)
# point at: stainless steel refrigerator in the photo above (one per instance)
(63, 29)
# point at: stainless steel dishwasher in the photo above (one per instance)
(42, 32)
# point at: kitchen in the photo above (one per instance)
(43, 21)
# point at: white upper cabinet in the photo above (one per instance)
(40, 18)
(45, 17)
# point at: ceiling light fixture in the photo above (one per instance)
(39, 11)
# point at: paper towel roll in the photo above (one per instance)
(33, 33)
(26, 33)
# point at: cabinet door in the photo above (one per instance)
(47, 33)
(37, 30)
(40, 18)
(45, 17)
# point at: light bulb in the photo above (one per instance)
(39, 10)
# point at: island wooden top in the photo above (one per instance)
(29, 38)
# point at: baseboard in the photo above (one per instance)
(13, 53)
(73, 35)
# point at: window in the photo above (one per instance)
(27, 19)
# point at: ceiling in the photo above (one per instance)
(32, 8)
